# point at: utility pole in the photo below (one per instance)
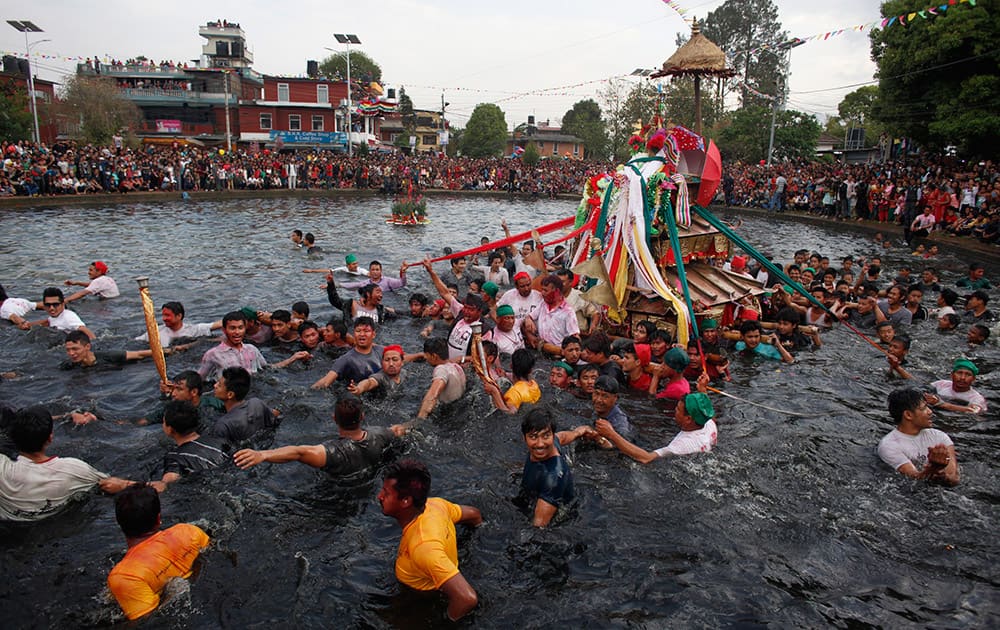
(348, 39)
(779, 96)
(26, 26)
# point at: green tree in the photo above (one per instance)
(678, 103)
(745, 135)
(626, 104)
(363, 67)
(100, 108)
(857, 110)
(938, 76)
(486, 132)
(530, 157)
(455, 141)
(740, 27)
(15, 119)
(584, 122)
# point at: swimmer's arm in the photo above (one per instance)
(786, 356)
(326, 381)
(497, 397)
(582, 431)
(366, 385)
(438, 284)
(168, 478)
(298, 356)
(135, 355)
(311, 455)
(77, 295)
(114, 485)
(431, 398)
(461, 596)
(641, 455)
(544, 511)
(470, 516)
(317, 271)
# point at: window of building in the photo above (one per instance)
(576, 149)
(393, 137)
(283, 92)
(541, 146)
(429, 140)
(294, 122)
(265, 121)
(555, 148)
(317, 122)
(323, 93)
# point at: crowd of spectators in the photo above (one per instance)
(69, 168)
(964, 197)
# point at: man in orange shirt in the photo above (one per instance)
(154, 557)
(427, 559)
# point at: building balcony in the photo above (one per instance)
(150, 127)
(217, 30)
(133, 70)
(159, 95)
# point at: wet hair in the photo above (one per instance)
(475, 301)
(78, 336)
(884, 324)
(301, 307)
(522, 362)
(420, 298)
(364, 320)
(589, 367)
(905, 399)
(788, 314)
(538, 419)
(647, 326)
(306, 325)
(663, 335)
(282, 316)
(374, 263)
(749, 326)
(181, 416)
(495, 256)
(367, 290)
(902, 340)
(413, 481)
(30, 429)
(598, 343)
(233, 316)
(309, 238)
(552, 280)
(975, 266)
(983, 331)
(982, 295)
(491, 349)
(3, 293)
(237, 381)
(191, 379)
(297, 233)
(338, 326)
(348, 412)
(137, 509)
(451, 286)
(874, 270)
(456, 260)
(438, 346)
(952, 319)
(568, 339)
(950, 296)
(174, 307)
(53, 292)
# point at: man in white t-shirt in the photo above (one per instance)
(14, 309)
(913, 448)
(60, 317)
(448, 380)
(100, 284)
(957, 393)
(36, 484)
(523, 299)
(694, 415)
(174, 327)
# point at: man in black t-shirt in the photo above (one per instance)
(358, 452)
(81, 355)
(192, 452)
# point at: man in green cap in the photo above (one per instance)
(352, 267)
(506, 335)
(695, 417)
(957, 393)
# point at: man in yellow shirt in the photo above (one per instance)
(154, 557)
(427, 559)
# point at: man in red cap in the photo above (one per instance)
(100, 284)
(523, 299)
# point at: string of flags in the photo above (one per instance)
(558, 90)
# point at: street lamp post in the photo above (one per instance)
(348, 39)
(779, 98)
(26, 27)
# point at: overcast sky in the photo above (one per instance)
(473, 51)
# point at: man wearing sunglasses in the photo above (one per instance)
(60, 317)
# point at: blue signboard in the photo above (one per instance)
(336, 138)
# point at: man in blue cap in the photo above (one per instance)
(695, 417)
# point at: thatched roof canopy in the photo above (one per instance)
(699, 56)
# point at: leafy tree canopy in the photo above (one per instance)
(938, 77)
(363, 67)
(584, 122)
(625, 105)
(15, 119)
(486, 132)
(530, 157)
(745, 135)
(100, 108)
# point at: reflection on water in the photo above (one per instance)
(790, 522)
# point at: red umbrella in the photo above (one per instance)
(711, 175)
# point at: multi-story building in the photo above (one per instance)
(428, 131)
(14, 80)
(550, 141)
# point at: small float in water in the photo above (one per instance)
(409, 210)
